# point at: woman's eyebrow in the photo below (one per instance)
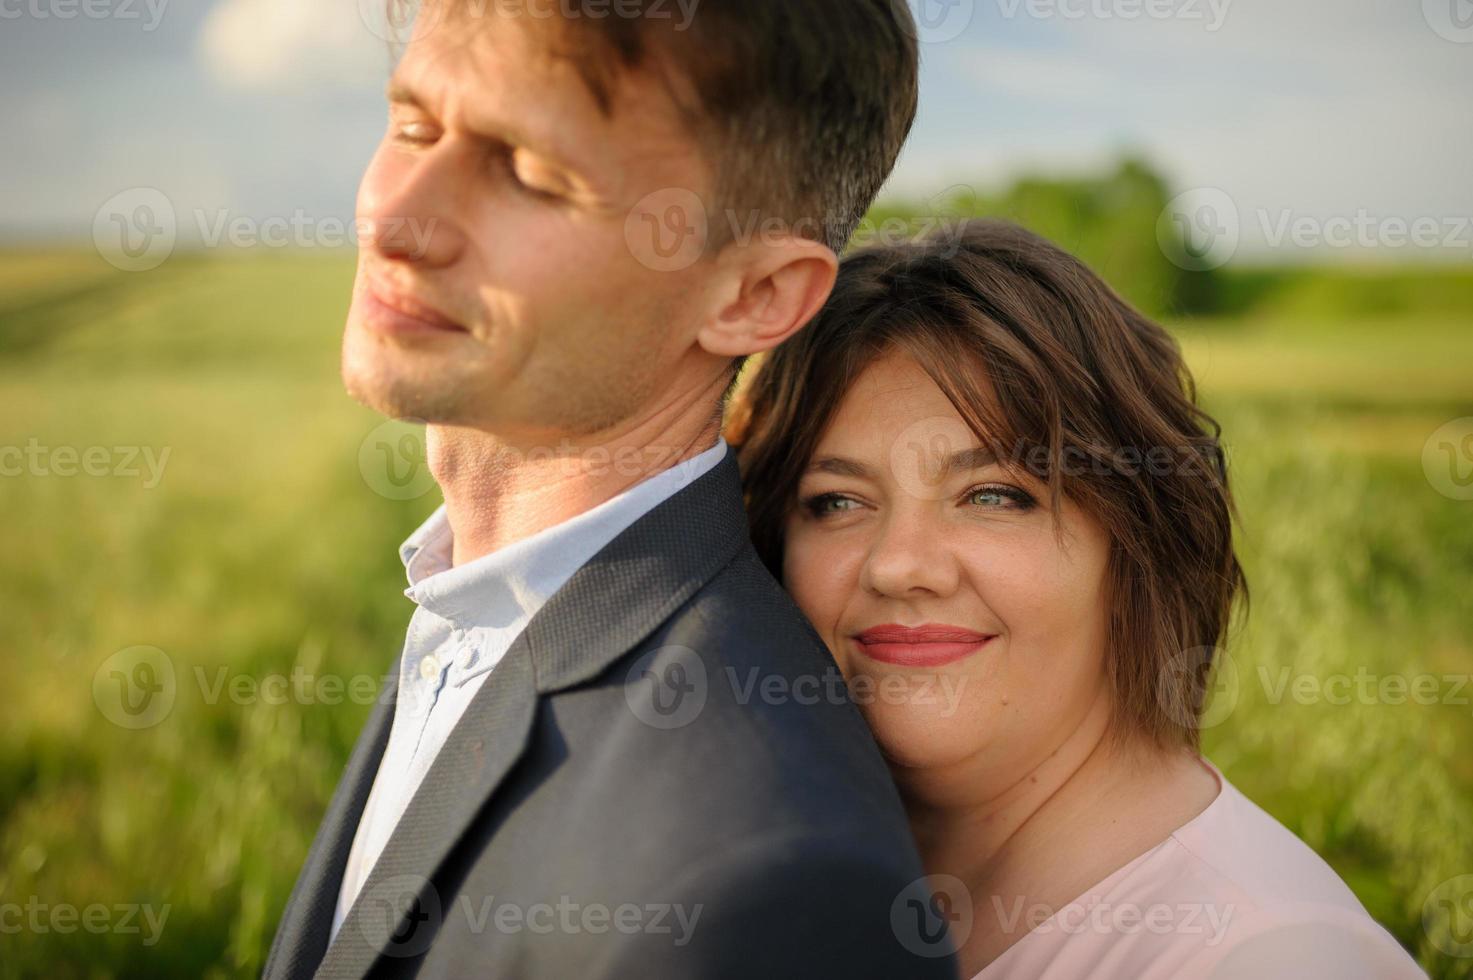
(974, 458)
(839, 466)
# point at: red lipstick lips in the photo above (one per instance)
(929, 645)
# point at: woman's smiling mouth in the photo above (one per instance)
(928, 645)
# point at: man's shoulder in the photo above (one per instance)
(760, 656)
(745, 613)
(717, 767)
(735, 695)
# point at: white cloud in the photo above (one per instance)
(271, 45)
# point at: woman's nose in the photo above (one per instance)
(911, 556)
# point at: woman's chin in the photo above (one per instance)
(913, 738)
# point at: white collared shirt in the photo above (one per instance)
(466, 620)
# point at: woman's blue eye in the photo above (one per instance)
(828, 503)
(1008, 497)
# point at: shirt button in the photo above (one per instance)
(429, 666)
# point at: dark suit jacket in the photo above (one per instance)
(662, 779)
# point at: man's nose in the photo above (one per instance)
(414, 213)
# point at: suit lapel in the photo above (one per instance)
(301, 939)
(635, 583)
(398, 911)
(608, 606)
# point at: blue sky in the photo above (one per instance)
(1294, 109)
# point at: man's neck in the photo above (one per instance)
(498, 493)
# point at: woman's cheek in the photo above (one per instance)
(932, 718)
(815, 580)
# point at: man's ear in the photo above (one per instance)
(774, 289)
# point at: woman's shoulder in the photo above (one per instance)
(1236, 847)
(1232, 893)
(1278, 908)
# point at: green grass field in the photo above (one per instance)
(260, 548)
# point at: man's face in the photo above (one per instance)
(498, 288)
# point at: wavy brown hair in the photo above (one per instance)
(1057, 376)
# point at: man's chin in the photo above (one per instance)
(384, 382)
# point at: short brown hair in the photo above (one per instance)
(1085, 393)
(803, 105)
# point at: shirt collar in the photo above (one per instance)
(509, 585)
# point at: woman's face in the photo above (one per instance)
(887, 534)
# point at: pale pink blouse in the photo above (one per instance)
(1231, 894)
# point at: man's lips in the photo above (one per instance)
(929, 645)
(395, 311)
